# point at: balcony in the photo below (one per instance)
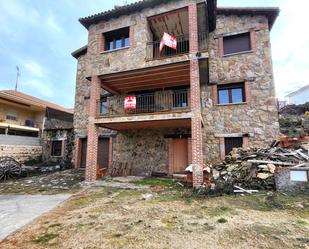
(146, 103)
(153, 48)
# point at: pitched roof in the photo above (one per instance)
(130, 8)
(35, 100)
(298, 91)
(270, 12)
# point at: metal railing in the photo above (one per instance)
(183, 47)
(159, 101)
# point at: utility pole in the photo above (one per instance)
(17, 76)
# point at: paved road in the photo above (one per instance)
(19, 210)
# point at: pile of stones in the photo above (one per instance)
(294, 120)
(254, 168)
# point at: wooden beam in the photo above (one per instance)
(149, 76)
(145, 79)
(110, 89)
(144, 71)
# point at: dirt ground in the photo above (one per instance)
(165, 215)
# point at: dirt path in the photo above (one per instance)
(103, 217)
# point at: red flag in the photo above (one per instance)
(168, 40)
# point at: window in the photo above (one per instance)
(232, 142)
(11, 117)
(103, 105)
(231, 93)
(236, 43)
(56, 148)
(117, 39)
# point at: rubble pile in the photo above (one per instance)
(254, 168)
(294, 120)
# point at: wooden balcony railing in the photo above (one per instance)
(154, 102)
(153, 48)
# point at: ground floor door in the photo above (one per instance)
(83, 154)
(179, 155)
(103, 152)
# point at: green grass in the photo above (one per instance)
(157, 181)
(222, 220)
(219, 211)
(273, 201)
(45, 238)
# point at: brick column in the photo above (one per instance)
(92, 142)
(195, 96)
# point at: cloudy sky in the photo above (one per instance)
(39, 37)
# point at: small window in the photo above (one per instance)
(56, 148)
(104, 105)
(11, 117)
(232, 142)
(231, 93)
(117, 39)
(236, 43)
(299, 175)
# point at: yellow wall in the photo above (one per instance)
(22, 114)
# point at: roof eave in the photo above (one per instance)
(270, 12)
(79, 52)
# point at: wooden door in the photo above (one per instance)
(83, 154)
(180, 155)
(103, 152)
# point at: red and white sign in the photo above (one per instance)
(169, 41)
(129, 102)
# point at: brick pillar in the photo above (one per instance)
(195, 96)
(92, 142)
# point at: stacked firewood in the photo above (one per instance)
(254, 168)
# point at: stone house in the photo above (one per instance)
(191, 105)
(34, 129)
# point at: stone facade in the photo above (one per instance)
(259, 115)
(58, 126)
(148, 148)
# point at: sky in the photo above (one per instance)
(39, 36)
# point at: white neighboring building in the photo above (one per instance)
(299, 96)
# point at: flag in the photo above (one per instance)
(169, 41)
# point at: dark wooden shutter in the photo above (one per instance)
(236, 43)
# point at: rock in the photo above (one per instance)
(271, 168)
(263, 175)
(146, 197)
(263, 166)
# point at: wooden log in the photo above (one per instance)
(272, 162)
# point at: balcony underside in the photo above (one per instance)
(146, 121)
(157, 77)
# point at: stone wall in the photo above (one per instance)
(284, 183)
(65, 135)
(259, 116)
(134, 57)
(21, 153)
(146, 148)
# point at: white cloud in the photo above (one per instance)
(36, 78)
(34, 69)
(52, 24)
